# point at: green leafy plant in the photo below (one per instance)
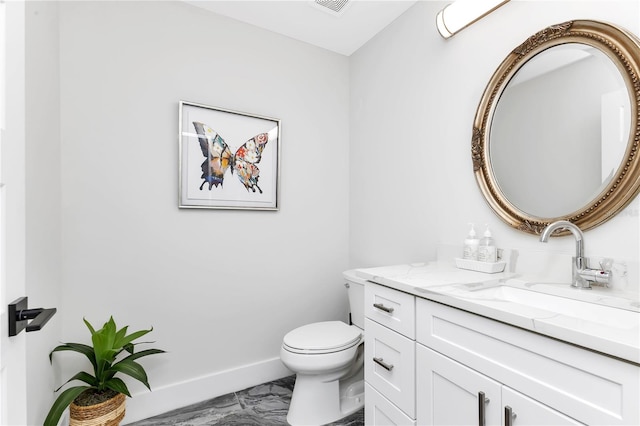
(107, 344)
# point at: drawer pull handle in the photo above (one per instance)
(383, 308)
(482, 401)
(509, 416)
(383, 364)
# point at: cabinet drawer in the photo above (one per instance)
(389, 365)
(378, 411)
(391, 308)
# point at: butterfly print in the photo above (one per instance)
(218, 158)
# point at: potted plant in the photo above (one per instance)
(101, 398)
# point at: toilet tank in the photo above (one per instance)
(355, 290)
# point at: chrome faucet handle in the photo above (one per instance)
(596, 276)
(600, 276)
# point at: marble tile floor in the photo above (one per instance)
(262, 405)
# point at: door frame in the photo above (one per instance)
(13, 371)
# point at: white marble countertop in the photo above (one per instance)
(599, 319)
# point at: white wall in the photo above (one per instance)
(413, 100)
(220, 288)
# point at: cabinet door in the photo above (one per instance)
(526, 411)
(448, 393)
(379, 411)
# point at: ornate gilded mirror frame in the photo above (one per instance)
(624, 50)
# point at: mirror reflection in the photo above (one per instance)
(559, 130)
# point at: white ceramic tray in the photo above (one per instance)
(475, 265)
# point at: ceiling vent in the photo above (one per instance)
(334, 7)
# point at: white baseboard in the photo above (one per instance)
(160, 400)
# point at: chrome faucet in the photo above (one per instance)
(582, 275)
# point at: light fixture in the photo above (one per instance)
(462, 13)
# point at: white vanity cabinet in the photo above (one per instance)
(463, 358)
(390, 373)
(427, 363)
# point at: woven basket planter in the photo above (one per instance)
(108, 413)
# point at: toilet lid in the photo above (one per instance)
(323, 336)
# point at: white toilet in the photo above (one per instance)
(328, 359)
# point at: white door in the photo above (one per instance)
(614, 126)
(13, 378)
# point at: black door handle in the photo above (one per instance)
(19, 316)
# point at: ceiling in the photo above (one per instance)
(344, 33)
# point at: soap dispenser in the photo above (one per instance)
(471, 244)
(487, 250)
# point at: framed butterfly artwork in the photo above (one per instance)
(228, 159)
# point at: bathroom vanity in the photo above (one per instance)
(448, 346)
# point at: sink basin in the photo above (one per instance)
(588, 310)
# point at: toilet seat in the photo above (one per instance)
(322, 337)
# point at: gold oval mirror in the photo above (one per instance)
(557, 130)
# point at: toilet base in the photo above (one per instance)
(318, 403)
(351, 397)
